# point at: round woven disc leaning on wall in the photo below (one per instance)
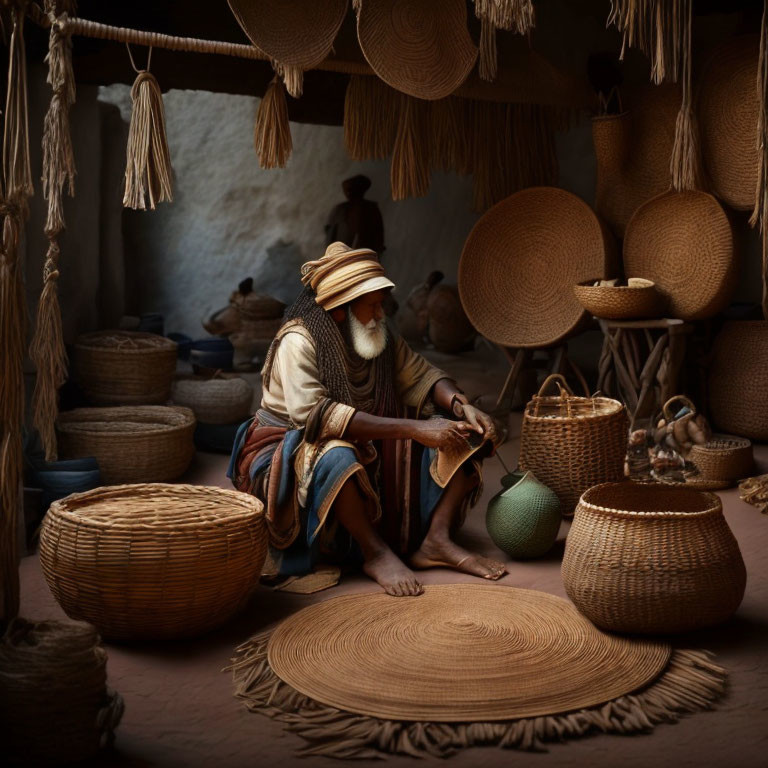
(571, 443)
(125, 367)
(650, 559)
(632, 151)
(151, 443)
(683, 242)
(521, 261)
(153, 561)
(728, 110)
(419, 47)
(496, 666)
(738, 379)
(55, 706)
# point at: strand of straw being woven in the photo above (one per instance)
(760, 211)
(15, 190)
(272, 132)
(47, 348)
(148, 172)
(410, 156)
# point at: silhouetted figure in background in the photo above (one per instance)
(357, 222)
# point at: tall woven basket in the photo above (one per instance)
(650, 558)
(125, 367)
(155, 560)
(738, 379)
(571, 443)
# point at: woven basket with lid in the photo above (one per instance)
(150, 443)
(571, 443)
(125, 367)
(153, 561)
(648, 558)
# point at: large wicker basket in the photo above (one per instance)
(649, 559)
(125, 367)
(153, 561)
(150, 443)
(221, 399)
(738, 379)
(572, 443)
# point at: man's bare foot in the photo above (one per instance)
(444, 553)
(390, 572)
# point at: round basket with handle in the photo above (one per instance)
(571, 443)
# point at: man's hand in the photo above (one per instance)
(479, 421)
(441, 433)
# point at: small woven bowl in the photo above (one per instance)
(637, 301)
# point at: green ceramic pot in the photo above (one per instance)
(524, 518)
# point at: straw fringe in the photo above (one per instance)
(148, 172)
(293, 78)
(515, 15)
(410, 156)
(47, 348)
(690, 683)
(371, 108)
(760, 211)
(272, 132)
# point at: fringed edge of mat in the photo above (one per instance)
(690, 683)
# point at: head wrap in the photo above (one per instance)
(343, 275)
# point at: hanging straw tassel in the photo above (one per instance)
(272, 133)
(47, 349)
(293, 78)
(685, 163)
(487, 65)
(447, 131)
(514, 15)
(760, 212)
(370, 118)
(15, 190)
(148, 172)
(409, 175)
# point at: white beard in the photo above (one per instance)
(368, 340)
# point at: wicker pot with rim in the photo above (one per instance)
(572, 443)
(218, 399)
(648, 558)
(150, 443)
(724, 457)
(153, 561)
(125, 367)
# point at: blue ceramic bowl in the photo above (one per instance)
(215, 352)
(57, 479)
(183, 343)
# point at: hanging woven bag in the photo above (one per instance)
(571, 443)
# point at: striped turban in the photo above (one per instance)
(343, 275)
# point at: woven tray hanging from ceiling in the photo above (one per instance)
(633, 151)
(462, 665)
(420, 47)
(521, 261)
(728, 110)
(297, 35)
(683, 242)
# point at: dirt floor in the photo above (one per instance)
(180, 710)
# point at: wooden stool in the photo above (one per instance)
(641, 360)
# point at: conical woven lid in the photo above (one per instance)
(457, 653)
(683, 242)
(521, 261)
(728, 110)
(299, 33)
(633, 151)
(419, 47)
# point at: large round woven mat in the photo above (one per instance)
(459, 652)
(684, 243)
(521, 261)
(299, 33)
(419, 47)
(728, 111)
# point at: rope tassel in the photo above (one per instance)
(272, 132)
(148, 172)
(410, 156)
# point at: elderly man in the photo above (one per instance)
(341, 448)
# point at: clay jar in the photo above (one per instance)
(524, 518)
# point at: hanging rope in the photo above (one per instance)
(148, 172)
(47, 349)
(760, 213)
(15, 191)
